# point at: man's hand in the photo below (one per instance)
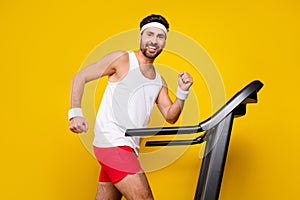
(185, 81)
(78, 125)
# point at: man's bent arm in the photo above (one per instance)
(172, 110)
(104, 67)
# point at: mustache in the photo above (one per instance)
(152, 44)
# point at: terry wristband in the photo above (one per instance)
(74, 112)
(181, 94)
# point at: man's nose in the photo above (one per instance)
(153, 40)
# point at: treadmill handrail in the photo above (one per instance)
(222, 113)
(234, 102)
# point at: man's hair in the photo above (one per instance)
(155, 18)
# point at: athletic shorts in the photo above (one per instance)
(116, 163)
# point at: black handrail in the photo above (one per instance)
(244, 96)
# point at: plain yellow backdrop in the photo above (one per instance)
(44, 43)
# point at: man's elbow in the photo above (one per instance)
(171, 121)
(78, 78)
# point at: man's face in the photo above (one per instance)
(152, 42)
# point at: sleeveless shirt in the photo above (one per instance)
(126, 104)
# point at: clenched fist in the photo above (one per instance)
(78, 125)
(185, 81)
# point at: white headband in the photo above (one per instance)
(154, 24)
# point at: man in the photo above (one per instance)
(133, 87)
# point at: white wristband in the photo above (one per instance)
(74, 112)
(181, 94)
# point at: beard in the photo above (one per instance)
(150, 55)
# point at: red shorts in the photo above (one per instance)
(116, 163)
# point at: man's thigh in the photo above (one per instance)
(135, 187)
(107, 191)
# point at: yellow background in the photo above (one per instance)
(43, 44)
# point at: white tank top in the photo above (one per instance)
(126, 104)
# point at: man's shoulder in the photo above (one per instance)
(119, 61)
(116, 56)
(118, 53)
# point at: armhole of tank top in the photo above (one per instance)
(130, 59)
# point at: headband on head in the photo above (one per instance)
(154, 24)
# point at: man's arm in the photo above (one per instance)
(172, 110)
(104, 67)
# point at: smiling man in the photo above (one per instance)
(134, 86)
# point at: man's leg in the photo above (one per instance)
(107, 191)
(135, 187)
(120, 166)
